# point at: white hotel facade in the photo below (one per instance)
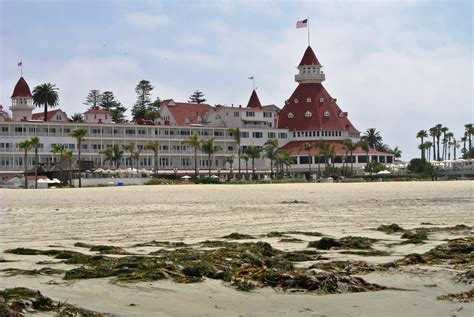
(310, 114)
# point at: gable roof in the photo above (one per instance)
(98, 111)
(309, 58)
(21, 89)
(50, 115)
(254, 102)
(187, 113)
(324, 112)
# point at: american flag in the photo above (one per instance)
(302, 24)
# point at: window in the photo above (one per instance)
(141, 132)
(296, 100)
(308, 100)
(257, 135)
(321, 99)
(267, 114)
(244, 134)
(282, 135)
(271, 135)
(218, 133)
(230, 148)
(4, 129)
(290, 115)
(327, 113)
(341, 114)
(250, 113)
(308, 114)
(236, 114)
(185, 132)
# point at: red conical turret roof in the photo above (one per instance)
(254, 102)
(309, 58)
(21, 89)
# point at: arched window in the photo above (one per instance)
(308, 100)
(290, 115)
(308, 114)
(327, 113)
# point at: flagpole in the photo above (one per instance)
(309, 43)
(253, 81)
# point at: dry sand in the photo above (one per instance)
(126, 215)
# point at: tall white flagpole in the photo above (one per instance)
(309, 43)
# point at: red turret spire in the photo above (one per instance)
(21, 89)
(254, 102)
(309, 58)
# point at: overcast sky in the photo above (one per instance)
(398, 66)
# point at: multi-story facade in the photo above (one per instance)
(310, 114)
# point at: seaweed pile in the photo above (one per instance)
(20, 301)
(243, 265)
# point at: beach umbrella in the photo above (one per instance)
(214, 176)
(44, 181)
(55, 181)
(186, 177)
(383, 173)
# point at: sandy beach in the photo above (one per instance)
(124, 216)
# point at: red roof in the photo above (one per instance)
(312, 109)
(191, 111)
(254, 102)
(98, 111)
(40, 115)
(295, 148)
(309, 58)
(21, 89)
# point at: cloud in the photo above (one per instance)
(147, 21)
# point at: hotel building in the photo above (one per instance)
(310, 114)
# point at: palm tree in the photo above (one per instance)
(79, 134)
(271, 151)
(237, 138)
(421, 135)
(433, 135)
(135, 155)
(155, 147)
(285, 158)
(77, 117)
(469, 132)
(35, 143)
(67, 156)
(25, 146)
(444, 140)
(397, 153)
(46, 95)
(60, 149)
(307, 146)
(229, 159)
(109, 155)
(449, 143)
(464, 140)
(428, 145)
(194, 142)
(130, 147)
(373, 137)
(350, 147)
(456, 146)
(208, 147)
(438, 131)
(317, 159)
(246, 158)
(253, 152)
(364, 145)
(117, 155)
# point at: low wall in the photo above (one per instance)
(88, 182)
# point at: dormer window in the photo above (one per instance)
(321, 99)
(290, 115)
(296, 100)
(327, 113)
(308, 100)
(308, 114)
(286, 102)
(341, 114)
